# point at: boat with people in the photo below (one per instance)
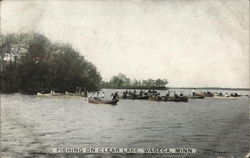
(195, 97)
(60, 95)
(169, 99)
(66, 94)
(99, 98)
(177, 99)
(95, 101)
(203, 94)
(225, 97)
(136, 97)
(142, 95)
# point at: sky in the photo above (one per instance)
(191, 43)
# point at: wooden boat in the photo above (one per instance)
(135, 97)
(177, 99)
(142, 97)
(156, 99)
(181, 99)
(203, 94)
(49, 94)
(72, 95)
(128, 97)
(224, 97)
(196, 97)
(173, 99)
(112, 102)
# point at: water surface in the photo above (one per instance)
(31, 125)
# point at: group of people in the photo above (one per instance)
(208, 93)
(101, 96)
(234, 94)
(141, 93)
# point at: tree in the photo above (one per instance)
(41, 65)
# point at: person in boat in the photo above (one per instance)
(124, 94)
(96, 96)
(226, 95)
(220, 94)
(168, 94)
(52, 91)
(140, 94)
(102, 96)
(181, 94)
(115, 96)
(175, 95)
(134, 93)
(193, 92)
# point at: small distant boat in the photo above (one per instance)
(177, 99)
(224, 97)
(68, 95)
(196, 97)
(135, 97)
(48, 94)
(173, 99)
(112, 102)
(156, 99)
(142, 97)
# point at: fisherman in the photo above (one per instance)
(193, 91)
(175, 95)
(141, 93)
(134, 93)
(181, 94)
(220, 94)
(168, 94)
(52, 91)
(96, 96)
(102, 96)
(226, 95)
(115, 96)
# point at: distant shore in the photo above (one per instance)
(211, 88)
(139, 87)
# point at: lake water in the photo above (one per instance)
(31, 125)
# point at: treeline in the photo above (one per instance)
(121, 81)
(31, 63)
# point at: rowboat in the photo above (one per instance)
(196, 97)
(142, 97)
(174, 99)
(224, 97)
(71, 95)
(156, 99)
(181, 99)
(112, 102)
(177, 99)
(135, 97)
(48, 94)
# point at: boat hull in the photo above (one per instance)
(196, 97)
(223, 97)
(112, 102)
(170, 99)
(136, 97)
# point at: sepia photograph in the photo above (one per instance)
(124, 78)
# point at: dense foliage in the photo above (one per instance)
(121, 81)
(32, 63)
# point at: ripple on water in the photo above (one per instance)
(207, 124)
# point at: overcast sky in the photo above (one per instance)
(189, 42)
